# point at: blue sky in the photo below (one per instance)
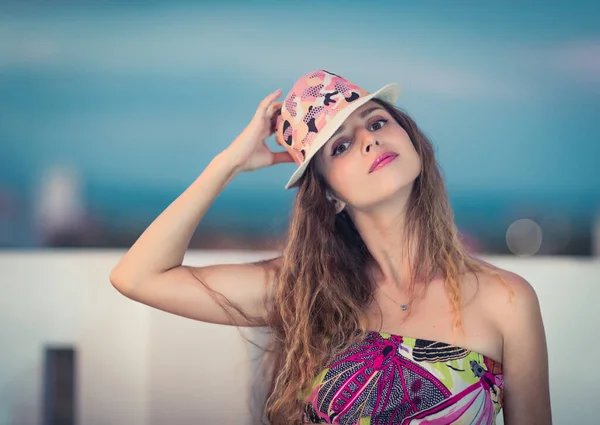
(140, 97)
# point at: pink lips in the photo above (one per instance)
(382, 160)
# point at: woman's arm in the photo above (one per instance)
(151, 272)
(525, 356)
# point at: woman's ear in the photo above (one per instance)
(339, 205)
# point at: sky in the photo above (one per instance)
(139, 97)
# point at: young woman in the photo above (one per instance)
(378, 314)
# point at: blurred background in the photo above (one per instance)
(109, 110)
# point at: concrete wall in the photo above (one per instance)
(139, 366)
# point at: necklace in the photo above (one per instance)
(403, 307)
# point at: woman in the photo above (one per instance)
(378, 313)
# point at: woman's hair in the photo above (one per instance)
(323, 287)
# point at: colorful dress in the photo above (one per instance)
(390, 379)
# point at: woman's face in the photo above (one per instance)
(346, 159)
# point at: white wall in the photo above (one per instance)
(65, 298)
(139, 366)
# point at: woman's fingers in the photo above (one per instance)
(272, 113)
(274, 107)
(264, 104)
(280, 157)
(270, 98)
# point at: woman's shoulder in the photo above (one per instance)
(502, 284)
(509, 297)
(524, 346)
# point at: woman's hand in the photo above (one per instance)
(249, 148)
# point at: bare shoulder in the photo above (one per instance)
(515, 309)
(507, 292)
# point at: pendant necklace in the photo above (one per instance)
(403, 307)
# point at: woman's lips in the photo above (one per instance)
(382, 160)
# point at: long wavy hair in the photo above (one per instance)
(321, 291)
(324, 286)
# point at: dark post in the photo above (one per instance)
(59, 386)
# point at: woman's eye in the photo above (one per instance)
(338, 148)
(378, 121)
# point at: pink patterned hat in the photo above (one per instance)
(313, 110)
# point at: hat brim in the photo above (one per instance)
(389, 93)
